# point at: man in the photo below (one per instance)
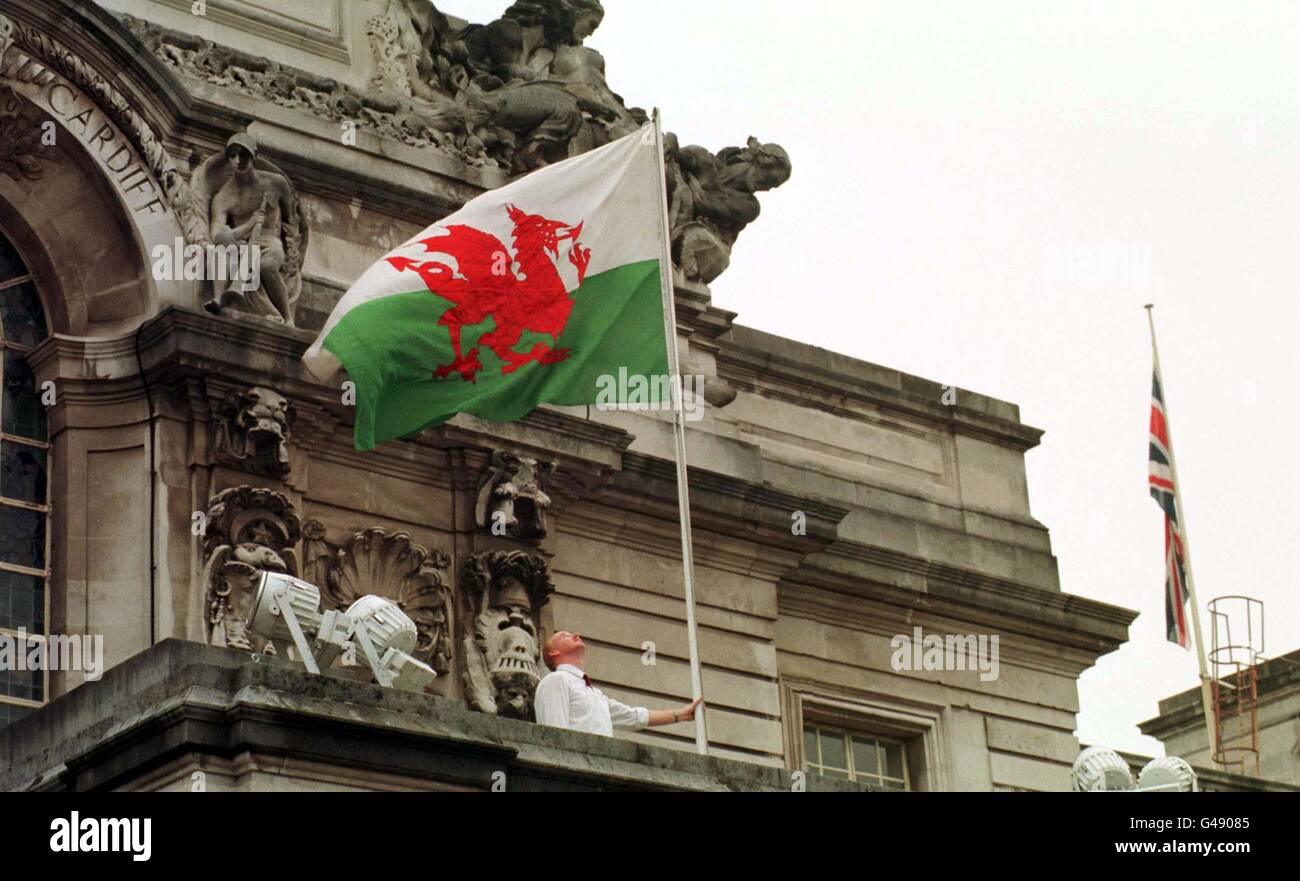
(566, 698)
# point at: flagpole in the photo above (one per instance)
(679, 437)
(1207, 700)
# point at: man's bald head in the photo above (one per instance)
(564, 648)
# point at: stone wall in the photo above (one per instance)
(183, 717)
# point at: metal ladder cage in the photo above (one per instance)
(1235, 654)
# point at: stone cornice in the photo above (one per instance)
(1277, 678)
(746, 364)
(728, 505)
(696, 312)
(213, 96)
(387, 176)
(848, 574)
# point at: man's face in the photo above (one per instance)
(564, 645)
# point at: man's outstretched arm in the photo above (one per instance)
(624, 716)
(669, 717)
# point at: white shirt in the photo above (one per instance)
(565, 700)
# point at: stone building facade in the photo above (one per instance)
(1273, 735)
(163, 445)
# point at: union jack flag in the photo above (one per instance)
(1161, 480)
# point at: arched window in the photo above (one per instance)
(24, 491)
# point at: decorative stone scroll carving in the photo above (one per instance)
(346, 568)
(252, 432)
(6, 36)
(22, 149)
(381, 112)
(248, 531)
(501, 597)
(395, 42)
(251, 203)
(511, 500)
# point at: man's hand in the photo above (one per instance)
(687, 713)
(669, 717)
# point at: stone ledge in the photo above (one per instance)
(180, 699)
(817, 378)
(1182, 711)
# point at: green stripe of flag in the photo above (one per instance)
(392, 345)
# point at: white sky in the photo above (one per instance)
(985, 194)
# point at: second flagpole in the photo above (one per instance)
(679, 438)
(1207, 700)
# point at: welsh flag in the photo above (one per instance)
(529, 294)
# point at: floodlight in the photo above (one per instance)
(387, 636)
(287, 609)
(1170, 774)
(386, 625)
(1100, 769)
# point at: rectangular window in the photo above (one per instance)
(24, 490)
(851, 755)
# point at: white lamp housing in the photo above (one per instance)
(1101, 769)
(386, 635)
(287, 609)
(1170, 774)
(386, 625)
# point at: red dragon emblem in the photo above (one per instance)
(484, 285)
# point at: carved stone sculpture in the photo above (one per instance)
(711, 199)
(23, 151)
(348, 567)
(252, 432)
(250, 202)
(528, 73)
(511, 500)
(519, 92)
(553, 33)
(407, 43)
(501, 597)
(6, 35)
(248, 530)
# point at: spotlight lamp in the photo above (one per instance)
(287, 610)
(387, 637)
(1170, 774)
(1101, 769)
